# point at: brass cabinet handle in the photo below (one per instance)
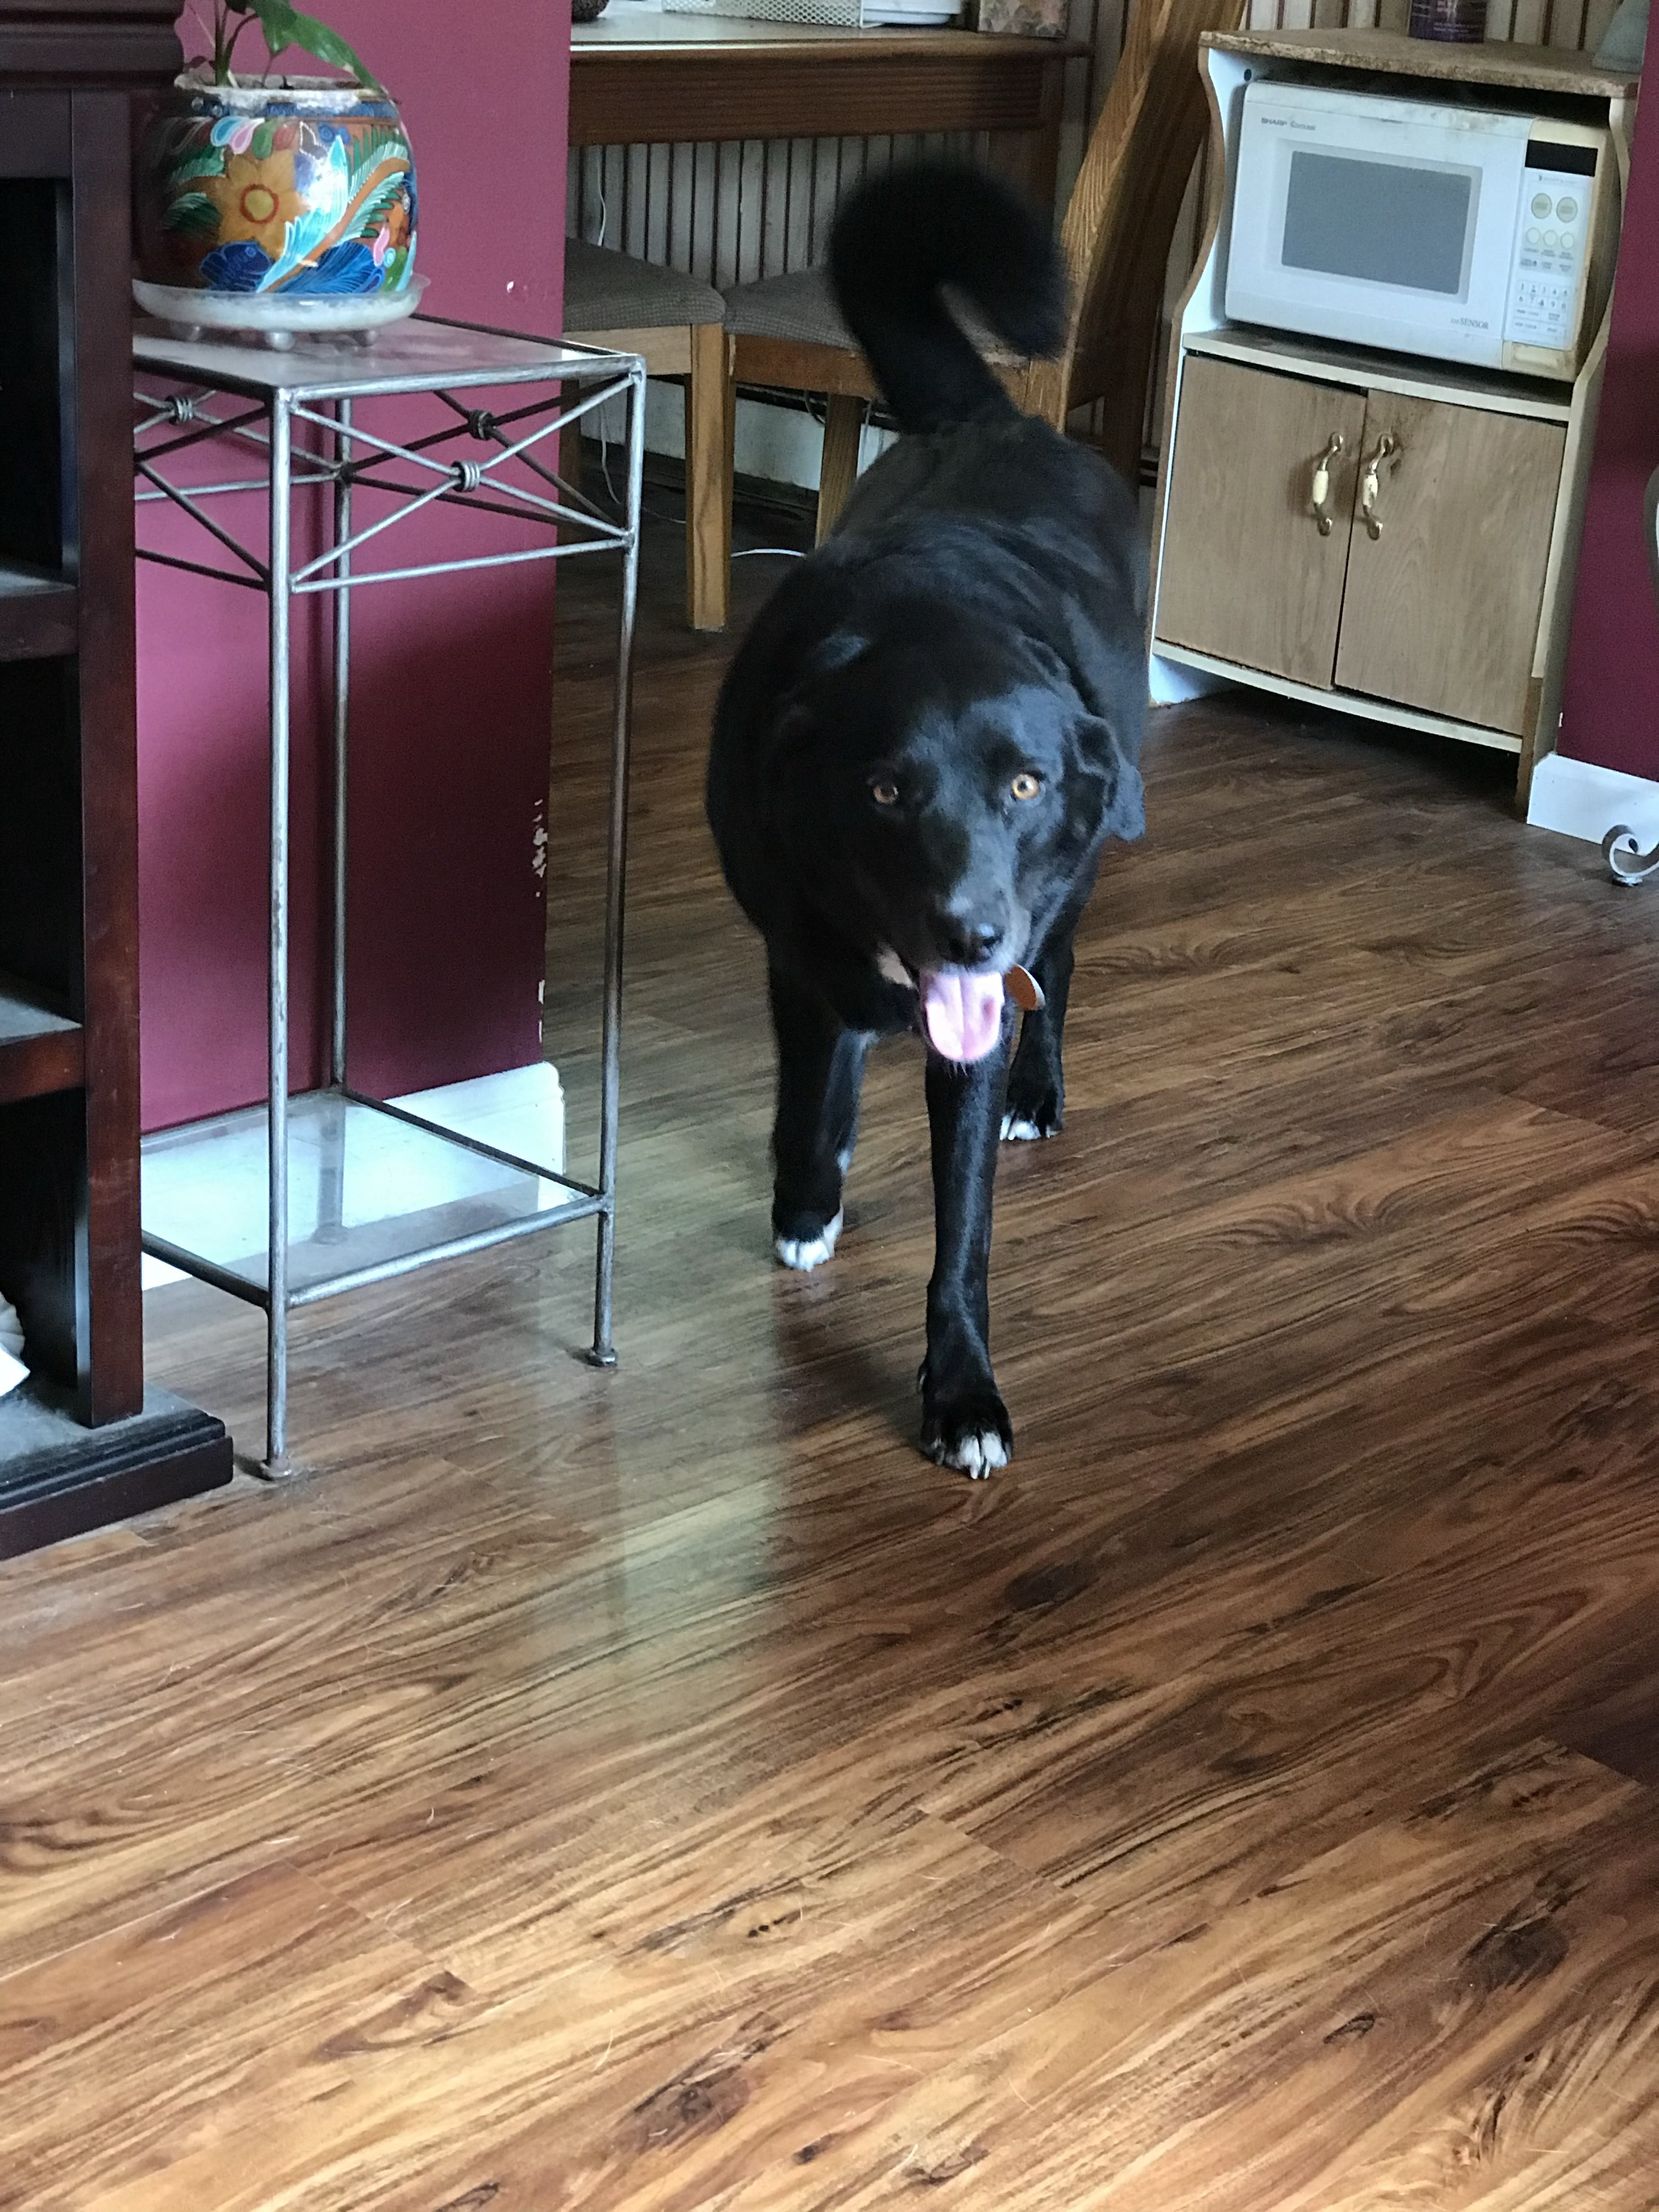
(1387, 444)
(1319, 503)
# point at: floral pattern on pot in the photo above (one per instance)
(303, 191)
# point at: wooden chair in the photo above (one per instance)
(677, 323)
(1119, 222)
(787, 332)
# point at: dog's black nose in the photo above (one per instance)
(967, 943)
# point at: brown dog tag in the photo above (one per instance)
(1023, 988)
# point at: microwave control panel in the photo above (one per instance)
(1551, 246)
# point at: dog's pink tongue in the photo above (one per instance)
(963, 1013)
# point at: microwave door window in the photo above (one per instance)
(1402, 223)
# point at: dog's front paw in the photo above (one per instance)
(1038, 1111)
(808, 1248)
(972, 1433)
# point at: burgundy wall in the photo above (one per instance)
(1610, 712)
(451, 723)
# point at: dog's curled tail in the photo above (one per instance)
(899, 241)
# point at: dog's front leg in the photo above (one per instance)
(1036, 1082)
(820, 1075)
(964, 1423)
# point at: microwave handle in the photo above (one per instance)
(1320, 502)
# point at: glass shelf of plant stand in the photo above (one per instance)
(366, 1190)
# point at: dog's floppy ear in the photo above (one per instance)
(793, 716)
(829, 655)
(1125, 812)
(1052, 668)
(823, 658)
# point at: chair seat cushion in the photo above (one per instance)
(801, 308)
(605, 290)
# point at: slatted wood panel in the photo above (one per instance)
(735, 212)
(738, 211)
(667, 1789)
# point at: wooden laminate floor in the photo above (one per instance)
(668, 1791)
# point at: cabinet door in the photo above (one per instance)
(1246, 572)
(1442, 602)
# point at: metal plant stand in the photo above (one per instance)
(293, 415)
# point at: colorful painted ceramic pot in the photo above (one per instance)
(263, 200)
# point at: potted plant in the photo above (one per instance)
(272, 202)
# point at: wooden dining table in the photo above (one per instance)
(647, 79)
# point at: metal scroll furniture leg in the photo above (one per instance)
(282, 466)
(1621, 848)
(604, 1352)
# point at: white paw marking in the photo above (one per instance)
(892, 967)
(803, 1254)
(1016, 1130)
(978, 1455)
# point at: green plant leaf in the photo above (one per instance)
(285, 25)
(328, 46)
(275, 20)
(225, 35)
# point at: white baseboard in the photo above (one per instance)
(1171, 682)
(1580, 800)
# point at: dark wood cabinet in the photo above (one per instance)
(81, 1443)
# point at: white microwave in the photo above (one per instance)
(1468, 233)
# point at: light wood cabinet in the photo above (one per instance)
(1359, 541)
(1248, 575)
(1446, 573)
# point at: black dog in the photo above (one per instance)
(923, 745)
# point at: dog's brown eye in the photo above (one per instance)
(884, 790)
(1025, 785)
